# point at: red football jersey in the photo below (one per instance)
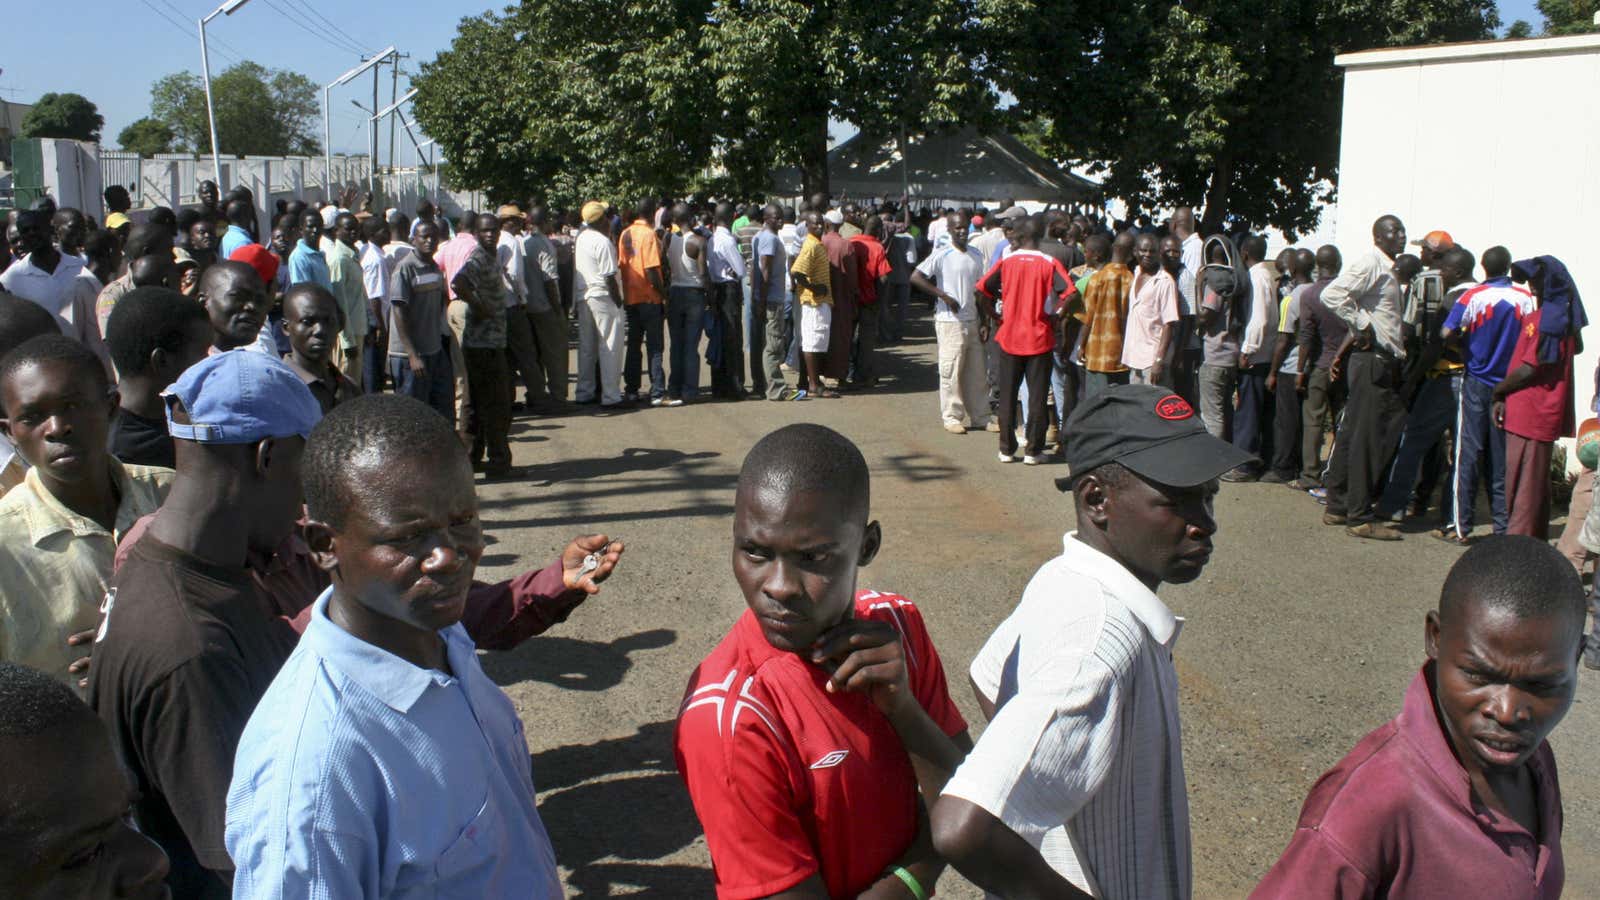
(1025, 281)
(788, 779)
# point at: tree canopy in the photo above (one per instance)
(671, 96)
(1568, 16)
(1233, 104)
(63, 116)
(259, 111)
(146, 137)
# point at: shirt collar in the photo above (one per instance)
(396, 682)
(1130, 591)
(48, 516)
(234, 229)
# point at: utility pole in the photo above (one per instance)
(372, 141)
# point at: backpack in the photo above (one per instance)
(1229, 280)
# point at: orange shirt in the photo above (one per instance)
(638, 249)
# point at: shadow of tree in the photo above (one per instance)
(620, 799)
(571, 663)
(634, 473)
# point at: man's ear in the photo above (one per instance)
(319, 537)
(113, 401)
(1430, 635)
(158, 359)
(265, 450)
(871, 543)
(1092, 497)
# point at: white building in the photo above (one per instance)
(1496, 142)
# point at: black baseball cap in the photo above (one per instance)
(1149, 430)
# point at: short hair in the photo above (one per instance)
(32, 703)
(144, 239)
(148, 319)
(187, 217)
(1255, 245)
(1113, 475)
(1460, 257)
(21, 321)
(809, 457)
(51, 348)
(370, 429)
(239, 212)
(1496, 261)
(1517, 574)
(162, 216)
(374, 227)
(116, 195)
(100, 245)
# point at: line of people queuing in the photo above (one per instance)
(263, 655)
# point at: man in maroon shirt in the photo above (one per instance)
(1457, 796)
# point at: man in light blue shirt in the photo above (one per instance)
(382, 762)
(241, 215)
(306, 262)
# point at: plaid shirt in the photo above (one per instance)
(1104, 315)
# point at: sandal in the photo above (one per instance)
(1449, 536)
(829, 394)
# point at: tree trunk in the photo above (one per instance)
(1217, 196)
(814, 158)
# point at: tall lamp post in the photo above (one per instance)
(372, 131)
(327, 127)
(228, 8)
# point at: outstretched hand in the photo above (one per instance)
(572, 558)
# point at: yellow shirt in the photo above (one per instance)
(55, 565)
(812, 262)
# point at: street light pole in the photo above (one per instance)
(327, 127)
(228, 8)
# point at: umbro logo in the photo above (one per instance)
(831, 760)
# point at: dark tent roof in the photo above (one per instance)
(957, 165)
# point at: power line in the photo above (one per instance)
(213, 41)
(359, 46)
(165, 17)
(299, 23)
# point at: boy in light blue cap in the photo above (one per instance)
(188, 644)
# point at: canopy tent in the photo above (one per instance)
(957, 165)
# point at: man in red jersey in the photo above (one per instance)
(1032, 288)
(814, 734)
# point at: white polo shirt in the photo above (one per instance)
(69, 293)
(1084, 757)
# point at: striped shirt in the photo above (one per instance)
(1083, 758)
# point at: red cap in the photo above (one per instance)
(1436, 241)
(259, 258)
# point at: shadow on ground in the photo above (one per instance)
(571, 663)
(620, 799)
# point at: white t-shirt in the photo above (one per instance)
(1084, 757)
(956, 274)
(594, 259)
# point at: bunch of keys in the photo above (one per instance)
(590, 563)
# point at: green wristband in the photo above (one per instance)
(911, 883)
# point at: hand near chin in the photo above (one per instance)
(866, 656)
(575, 575)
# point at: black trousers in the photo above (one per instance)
(1374, 417)
(1013, 370)
(1286, 427)
(489, 380)
(727, 299)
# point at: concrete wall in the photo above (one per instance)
(1495, 142)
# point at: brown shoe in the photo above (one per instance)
(1374, 531)
(1329, 518)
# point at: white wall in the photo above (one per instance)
(1495, 142)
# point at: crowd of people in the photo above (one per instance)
(239, 529)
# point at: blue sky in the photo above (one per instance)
(131, 43)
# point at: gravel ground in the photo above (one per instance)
(1298, 640)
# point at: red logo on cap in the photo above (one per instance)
(1173, 408)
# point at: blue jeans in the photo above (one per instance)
(1431, 414)
(1477, 437)
(1250, 419)
(1058, 392)
(686, 312)
(791, 353)
(644, 328)
(437, 386)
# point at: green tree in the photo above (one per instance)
(63, 116)
(1519, 29)
(670, 96)
(1568, 16)
(259, 111)
(146, 137)
(1233, 103)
